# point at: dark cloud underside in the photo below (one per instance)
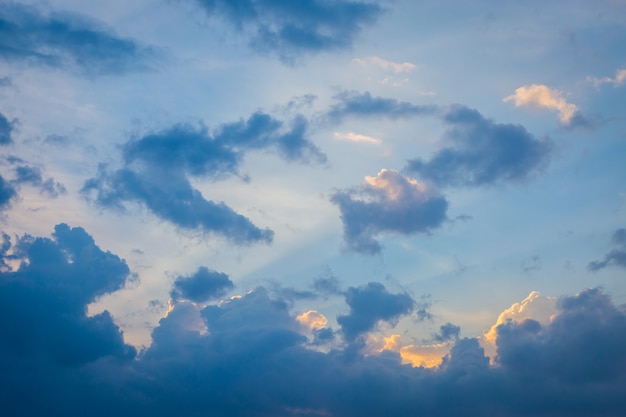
(203, 285)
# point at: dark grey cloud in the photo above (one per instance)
(7, 193)
(67, 40)
(583, 345)
(289, 28)
(370, 304)
(616, 257)
(354, 104)
(447, 332)
(202, 286)
(247, 357)
(6, 128)
(158, 168)
(387, 203)
(482, 152)
(43, 303)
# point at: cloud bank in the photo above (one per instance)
(250, 357)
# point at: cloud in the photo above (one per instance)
(388, 202)
(542, 96)
(617, 81)
(67, 40)
(7, 192)
(356, 104)
(447, 332)
(584, 344)
(312, 320)
(43, 302)
(158, 167)
(6, 128)
(386, 65)
(246, 356)
(355, 137)
(616, 257)
(482, 153)
(25, 174)
(289, 28)
(202, 286)
(370, 304)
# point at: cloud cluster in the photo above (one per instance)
(204, 285)
(387, 203)
(617, 81)
(158, 166)
(616, 257)
(250, 358)
(66, 40)
(481, 152)
(542, 96)
(290, 28)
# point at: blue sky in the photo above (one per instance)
(315, 207)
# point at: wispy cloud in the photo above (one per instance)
(618, 80)
(386, 65)
(355, 137)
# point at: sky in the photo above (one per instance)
(313, 208)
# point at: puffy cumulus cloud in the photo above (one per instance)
(356, 137)
(312, 320)
(370, 304)
(535, 307)
(43, 304)
(482, 152)
(542, 96)
(447, 332)
(616, 257)
(617, 81)
(388, 202)
(289, 28)
(386, 65)
(67, 40)
(202, 286)
(583, 346)
(354, 104)
(158, 166)
(6, 129)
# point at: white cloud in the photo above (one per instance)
(618, 80)
(539, 95)
(386, 65)
(355, 137)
